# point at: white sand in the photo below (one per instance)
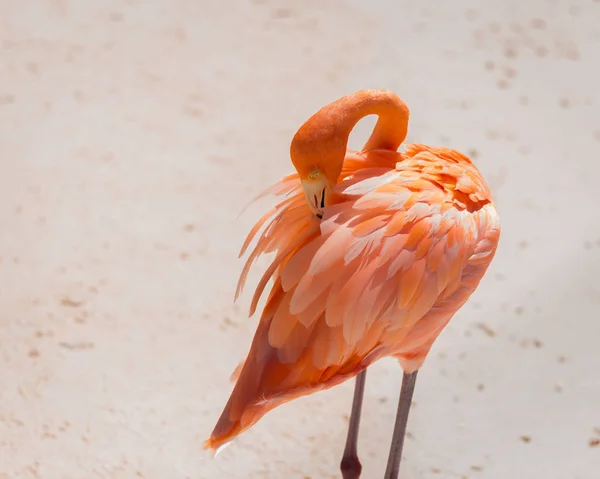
(132, 135)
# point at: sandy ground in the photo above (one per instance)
(132, 135)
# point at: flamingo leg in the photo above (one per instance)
(350, 465)
(406, 394)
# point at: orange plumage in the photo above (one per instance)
(373, 265)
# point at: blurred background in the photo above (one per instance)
(133, 133)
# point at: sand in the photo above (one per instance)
(132, 135)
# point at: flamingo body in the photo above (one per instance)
(403, 242)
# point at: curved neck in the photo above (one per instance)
(392, 125)
(322, 141)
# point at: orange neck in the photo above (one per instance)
(320, 144)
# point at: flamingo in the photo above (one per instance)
(374, 252)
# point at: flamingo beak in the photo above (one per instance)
(317, 192)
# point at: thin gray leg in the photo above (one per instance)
(406, 394)
(350, 465)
